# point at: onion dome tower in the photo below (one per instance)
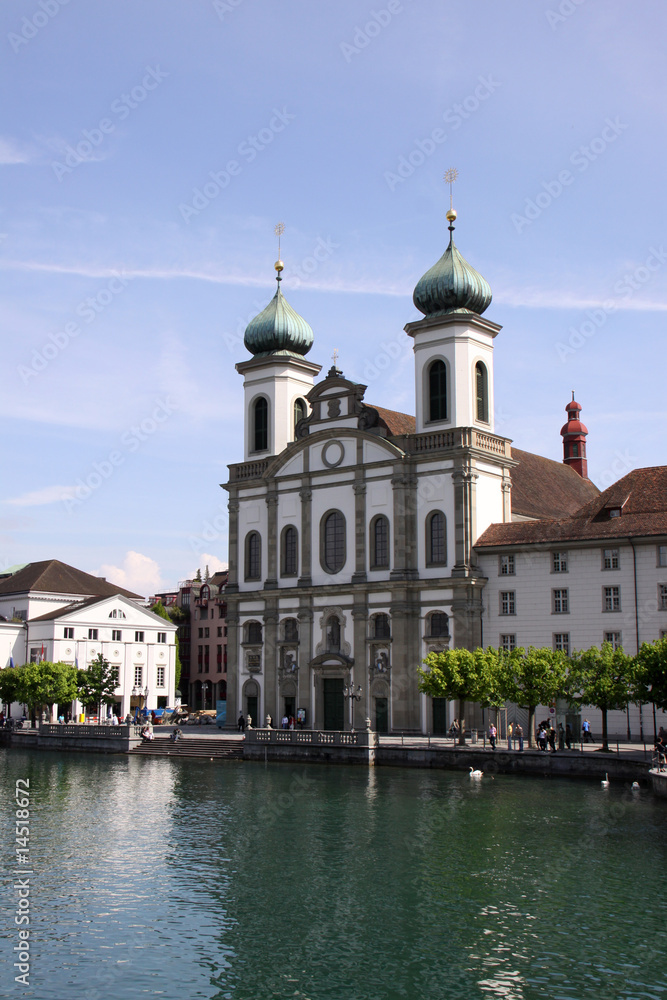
(277, 378)
(451, 285)
(574, 435)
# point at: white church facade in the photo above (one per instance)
(354, 530)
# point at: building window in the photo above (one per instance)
(560, 602)
(438, 625)
(200, 633)
(219, 631)
(333, 634)
(138, 675)
(610, 559)
(482, 392)
(116, 635)
(380, 542)
(261, 424)
(436, 539)
(662, 596)
(381, 627)
(92, 633)
(162, 636)
(35, 654)
(508, 642)
(224, 630)
(185, 600)
(614, 638)
(289, 557)
(253, 556)
(662, 555)
(333, 542)
(437, 391)
(562, 642)
(116, 613)
(507, 602)
(559, 562)
(138, 636)
(68, 633)
(612, 598)
(299, 412)
(206, 660)
(506, 565)
(203, 614)
(291, 630)
(160, 677)
(253, 632)
(206, 633)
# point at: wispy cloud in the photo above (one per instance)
(12, 152)
(39, 498)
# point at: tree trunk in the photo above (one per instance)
(531, 725)
(462, 722)
(605, 739)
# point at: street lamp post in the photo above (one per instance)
(352, 694)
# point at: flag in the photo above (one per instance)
(11, 660)
(42, 657)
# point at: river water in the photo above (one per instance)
(185, 879)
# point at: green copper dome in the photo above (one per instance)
(278, 329)
(451, 286)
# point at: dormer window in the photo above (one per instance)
(116, 613)
(614, 512)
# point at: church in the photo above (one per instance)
(361, 539)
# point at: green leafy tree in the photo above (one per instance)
(46, 683)
(97, 685)
(650, 680)
(8, 685)
(461, 675)
(198, 576)
(170, 616)
(604, 678)
(532, 677)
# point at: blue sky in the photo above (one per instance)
(125, 293)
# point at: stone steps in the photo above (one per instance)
(192, 746)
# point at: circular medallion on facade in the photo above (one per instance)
(161, 654)
(139, 654)
(92, 652)
(116, 652)
(333, 454)
(68, 652)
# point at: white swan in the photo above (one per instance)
(475, 774)
(605, 781)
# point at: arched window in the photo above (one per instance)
(205, 592)
(253, 632)
(436, 539)
(380, 626)
(333, 634)
(261, 424)
(437, 391)
(291, 630)
(299, 412)
(253, 556)
(289, 553)
(333, 542)
(438, 625)
(482, 392)
(380, 542)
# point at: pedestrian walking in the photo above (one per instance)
(509, 736)
(493, 732)
(542, 738)
(586, 728)
(561, 736)
(551, 737)
(518, 735)
(241, 722)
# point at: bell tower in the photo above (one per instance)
(574, 435)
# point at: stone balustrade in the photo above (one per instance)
(311, 737)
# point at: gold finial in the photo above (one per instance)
(449, 177)
(279, 229)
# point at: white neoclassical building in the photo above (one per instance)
(52, 611)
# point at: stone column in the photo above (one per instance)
(467, 615)
(233, 664)
(360, 709)
(270, 660)
(507, 498)
(233, 578)
(405, 658)
(306, 494)
(359, 487)
(465, 518)
(405, 527)
(305, 617)
(271, 581)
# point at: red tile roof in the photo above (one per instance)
(396, 423)
(641, 496)
(55, 577)
(544, 488)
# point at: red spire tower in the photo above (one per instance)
(574, 435)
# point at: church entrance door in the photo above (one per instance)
(334, 704)
(381, 715)
(439, 716)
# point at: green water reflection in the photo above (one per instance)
(188, 879)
